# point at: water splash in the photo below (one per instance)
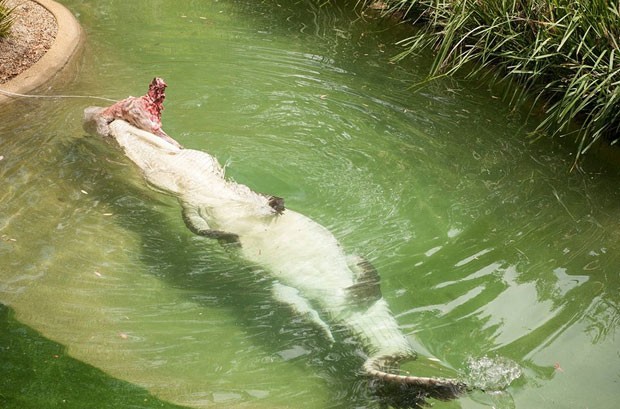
(492, 373)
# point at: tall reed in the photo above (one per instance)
(566, 53)
(6, 19)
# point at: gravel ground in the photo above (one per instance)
(33, 32)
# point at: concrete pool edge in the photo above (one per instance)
(69, 40)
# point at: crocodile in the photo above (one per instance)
(313, 273)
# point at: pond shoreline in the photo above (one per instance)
(42, 25)
(32, 34)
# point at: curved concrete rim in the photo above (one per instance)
(67, 43)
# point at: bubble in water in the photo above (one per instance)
(492, 374)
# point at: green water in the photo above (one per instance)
(485, 243)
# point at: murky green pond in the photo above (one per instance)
(485, 243)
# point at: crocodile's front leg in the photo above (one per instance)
(198, 225)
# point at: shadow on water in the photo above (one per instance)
(37, 373)
(217, 277)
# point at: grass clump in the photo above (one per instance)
(564, 52)
(6, 19)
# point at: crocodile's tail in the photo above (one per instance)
(441, 388)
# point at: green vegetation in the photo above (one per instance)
(564, 53)
(6, 19)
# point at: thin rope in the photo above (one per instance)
(15, 94)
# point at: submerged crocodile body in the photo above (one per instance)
(313, 273)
